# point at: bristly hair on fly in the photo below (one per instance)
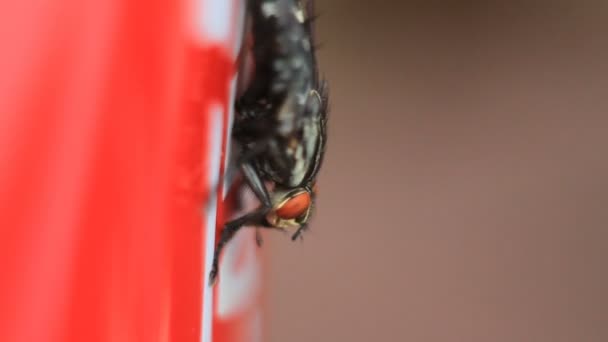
(280, 121)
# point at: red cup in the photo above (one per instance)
(114, 123)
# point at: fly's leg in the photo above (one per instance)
(256, 184)
(258, 238)
(298, 233)
(244, 159)
(254, 218)
(258, 235)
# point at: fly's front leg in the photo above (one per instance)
(256, 184)
(245, 158)
(254, 218)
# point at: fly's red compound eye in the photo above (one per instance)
(294, 206)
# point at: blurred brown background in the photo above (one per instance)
(464, 192)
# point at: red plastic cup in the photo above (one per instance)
(115, 120)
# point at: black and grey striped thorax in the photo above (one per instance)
(286, 106)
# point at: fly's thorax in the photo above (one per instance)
(290, 207)
(292, 158)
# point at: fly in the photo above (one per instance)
(280, 122)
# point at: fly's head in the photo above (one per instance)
(292, 208)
